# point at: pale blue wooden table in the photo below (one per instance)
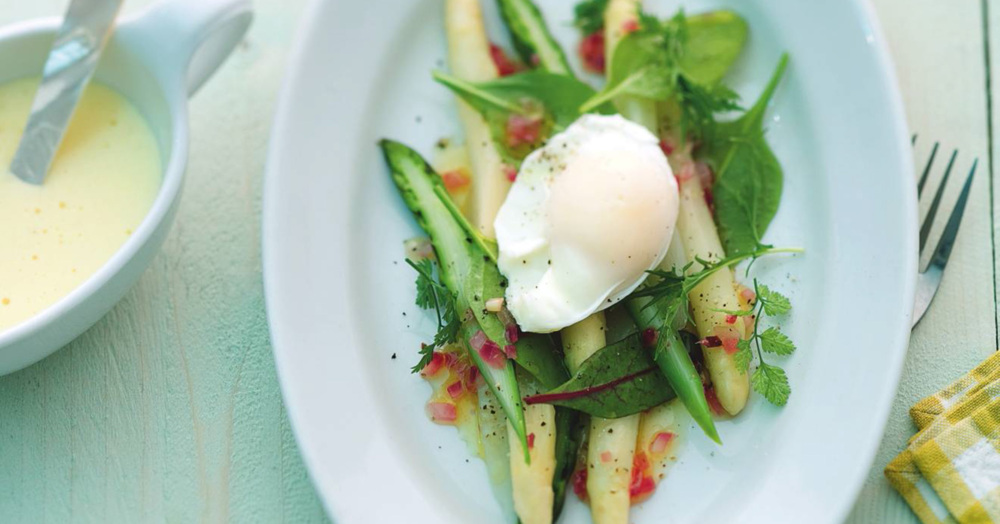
(168, 410)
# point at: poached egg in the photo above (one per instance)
(588, 214)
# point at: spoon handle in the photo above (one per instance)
(68, 69)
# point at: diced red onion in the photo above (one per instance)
(455, 389)
(649, 337)
(510, 350)
(492, 355)
(438, 360)
(711, 341)
(442, 412)
(531, 440)
(661, 441)
(591, 51)
(477, 341)
(512, 333)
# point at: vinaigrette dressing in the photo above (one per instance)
(103, 181)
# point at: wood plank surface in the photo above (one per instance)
(939, 53)
(168, 410)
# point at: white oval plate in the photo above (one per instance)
(339, 298)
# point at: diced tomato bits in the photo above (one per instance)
(580, 483)
(455, 179)
(505, 66)
(513, 333)
(492, 355)
(711, 341)
(438, 360)
(630, 26)
(456, 389)
(510, 350)
(730, 319)
(748, 294)
(510, 172)
(661, 441)
(649, 337)
(523, 129)
(442, 412)
(731, 344)
(606, 456)
(591, 51)
(642, 484)
(531, 441)
(713, 401)
(667, 147)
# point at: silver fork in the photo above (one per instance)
(929, 279)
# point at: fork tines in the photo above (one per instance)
(930, 276)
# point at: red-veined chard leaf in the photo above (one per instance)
(618, 380)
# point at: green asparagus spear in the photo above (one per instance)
(462, 265)
(531, 36)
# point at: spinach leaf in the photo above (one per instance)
(547, 100)
(714, 41)
(684, 55)
(537, 354)
(748, 177)
(616, 381)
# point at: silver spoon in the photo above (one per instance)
(68, 69)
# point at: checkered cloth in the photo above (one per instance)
(950, 471)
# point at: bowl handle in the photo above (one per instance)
(187, 39)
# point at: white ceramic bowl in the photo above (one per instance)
(156, 59)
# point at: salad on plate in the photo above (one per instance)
(588, 251)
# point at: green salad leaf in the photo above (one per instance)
(588, 15)
(549, 101)
(684, 57)
(748, 177)
(714, 41)
(618, 380)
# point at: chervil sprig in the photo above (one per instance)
(769, 380)
(431, 294)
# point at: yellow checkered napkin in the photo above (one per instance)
(925, 411)
(950, 472)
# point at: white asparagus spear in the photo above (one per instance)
(718, 292)
(611, 441)
(469, 58)
(533, 494)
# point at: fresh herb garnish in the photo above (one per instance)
(768, 380)
(588, 15)
(660, 62)
(431, 294)
(670, 291)
(748, 177)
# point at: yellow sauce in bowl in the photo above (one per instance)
(103, 181)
